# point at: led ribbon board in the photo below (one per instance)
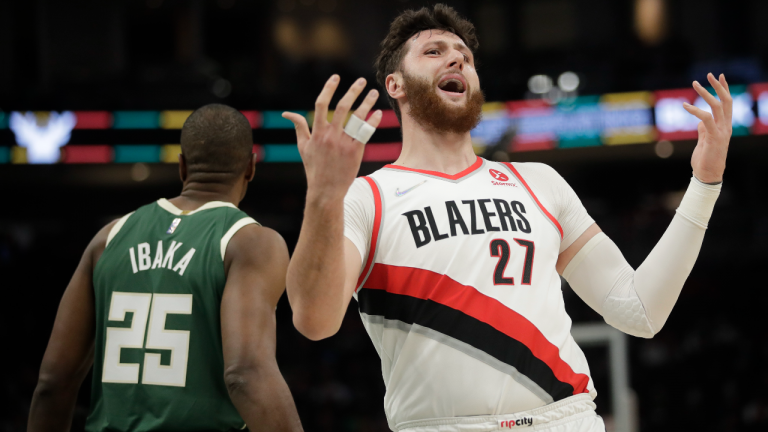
(584, 121)
(675, 123)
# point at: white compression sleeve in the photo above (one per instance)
(639, 302)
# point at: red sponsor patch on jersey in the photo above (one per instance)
(498, 175)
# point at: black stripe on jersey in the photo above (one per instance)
(460, 326)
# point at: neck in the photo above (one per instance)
(195, 193)
(426, 149)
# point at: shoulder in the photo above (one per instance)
(129, 220)
(257, 245)
(116, 226)
(256, 234)
(101, 239)
(256, 258)
(232, 220)
(161, 204)
(386, 175)
(362, 183)
(109, 228)
(541, 177)
(360, 191)
(535, 169)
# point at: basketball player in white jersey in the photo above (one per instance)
(454, 260)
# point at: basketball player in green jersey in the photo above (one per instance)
(174, 306)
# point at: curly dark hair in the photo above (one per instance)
(407, 24)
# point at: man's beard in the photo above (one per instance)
(430, 111)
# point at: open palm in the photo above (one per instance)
(708, 160)
(331, 157)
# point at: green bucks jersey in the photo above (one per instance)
(158, 354)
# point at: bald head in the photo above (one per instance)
(217, 139)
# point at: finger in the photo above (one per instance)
(702, 115)
(368, 128)
(375, 118)
(724, 82)
(323, 100)
(300, 123)
(717, 107)
(345, 104)
(725, 95)
(362, 111)
(727, 107)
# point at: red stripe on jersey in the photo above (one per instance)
(374, 232)
(533, 195)
(428, 285)
(473, 167)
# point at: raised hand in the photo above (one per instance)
(708, 160)
(331, 157)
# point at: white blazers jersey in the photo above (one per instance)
(460, 295)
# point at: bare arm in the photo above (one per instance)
(69, 355)
(256, 260)
(322, 273)
(319, 275)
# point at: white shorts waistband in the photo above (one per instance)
(568, 408)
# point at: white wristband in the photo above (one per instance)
(699, 201)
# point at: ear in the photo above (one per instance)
(394, 84)
(250, 173)
(182, 168)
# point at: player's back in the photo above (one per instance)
(158, 350)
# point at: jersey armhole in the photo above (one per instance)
(374, 233)
(234, 229)
(116, 228)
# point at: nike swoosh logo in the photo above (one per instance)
(399, 194)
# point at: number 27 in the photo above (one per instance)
(500, 249)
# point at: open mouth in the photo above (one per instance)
(452, 85)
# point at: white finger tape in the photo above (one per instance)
(358, 129)
(353, 126)
(365, 133)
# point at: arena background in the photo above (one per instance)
(129, 70)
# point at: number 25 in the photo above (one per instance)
(177, 341)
